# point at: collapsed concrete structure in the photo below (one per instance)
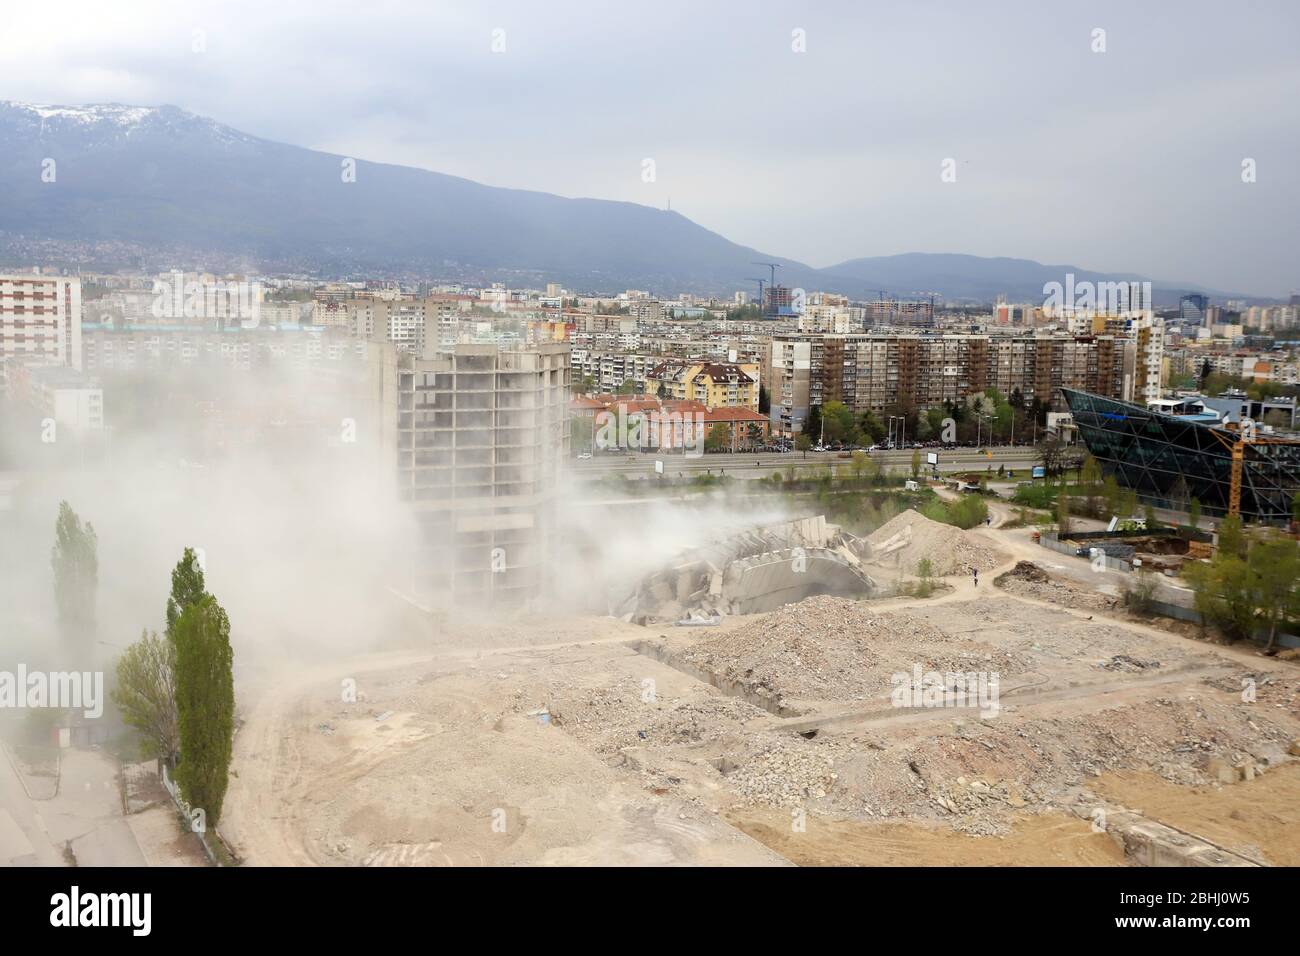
(755, 571)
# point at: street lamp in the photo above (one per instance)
(901, 433)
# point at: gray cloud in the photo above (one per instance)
(1124, 161)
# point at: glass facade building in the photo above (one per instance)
(1169, 459)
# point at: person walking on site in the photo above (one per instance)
(975, 573)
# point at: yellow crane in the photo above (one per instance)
(1236, 443)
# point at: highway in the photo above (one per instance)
(748, 465)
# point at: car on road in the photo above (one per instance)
(584, 456)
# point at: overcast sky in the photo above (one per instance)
(1128, 160)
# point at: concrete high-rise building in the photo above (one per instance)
(1191, 310)
(886, 371)
(40, 320)
(479, 438)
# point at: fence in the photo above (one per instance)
(1051, 541)
(1182, 612)
(185, 811)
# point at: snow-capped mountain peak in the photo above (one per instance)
(115, 120)
(96, 113)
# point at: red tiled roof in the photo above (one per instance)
(727, 413)
(646, 403)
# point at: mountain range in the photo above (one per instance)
(129, 185)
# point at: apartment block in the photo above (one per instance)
(609, 371)
(885, 372)
(68, 397)
(106, 350)
(40, 320)
(713, 384)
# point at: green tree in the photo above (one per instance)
(1062, 512)
(970, 511)
(75, 561)
(628, 387)
(871, 428)
(1295, 508)
(1128, 503)
(187, 588)
(1003, 415)
(1232, 540)
(1194, 513)
(1142, 594)
(1090, 479)
(803, 443)
(858, 464)
(718, 438)
(1275, 569)
(812, 425)
(1051, 452)
(1110, 493)
(1152, 522)
(916, 464)
(935, 418)
(205, 704)
(1222, 593)
(838, 423)
(925, 578)
(146, 695)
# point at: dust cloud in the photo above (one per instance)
(303, 539)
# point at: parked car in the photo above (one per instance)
(584, 456)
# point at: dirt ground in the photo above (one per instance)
(1258, 819)
(591, 741)
(1049, 840)
(440, 762)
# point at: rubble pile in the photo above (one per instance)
(1027, 579)
(832, 649)
(757, 570)
(608, 719)
(786, 775)
(910, 537)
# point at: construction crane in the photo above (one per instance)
(771, 284)
(773, 266)
(1236, 441)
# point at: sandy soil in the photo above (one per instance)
(566, 741)
(1048, 840)
(457, 772)
(1259, 818)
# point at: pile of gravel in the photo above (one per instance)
(909, 538)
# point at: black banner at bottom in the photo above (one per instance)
(340, 905)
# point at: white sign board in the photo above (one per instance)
(932, 458)
(659, 466)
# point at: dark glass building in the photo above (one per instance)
(1170, 459)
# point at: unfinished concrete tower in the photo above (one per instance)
(480, 437)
